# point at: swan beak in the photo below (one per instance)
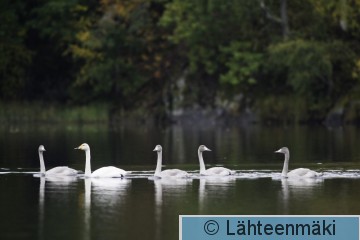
(278, 151)
(206, 149)
(78, 147)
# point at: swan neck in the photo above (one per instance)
(42, 164)
(201, 161)
(87, 164)
(159, 163)
(286, 165)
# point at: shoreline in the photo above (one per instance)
(38, 113)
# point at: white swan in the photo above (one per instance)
(214, 171)
(104, 172)
(299, 172)
(168, 173)
(59, 171)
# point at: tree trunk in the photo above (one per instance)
(284, 19)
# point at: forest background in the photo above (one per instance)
(264, 61)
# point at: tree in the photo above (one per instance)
(223, 43)
(15, 57)
(52, 28)
(122, 51)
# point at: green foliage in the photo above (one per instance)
(108, 67)
(285, 108)
(315, 70)
(121, 51)
(320, 72)
(306, 63)
(15, 57)
(205, 27)
(221, 41)
(131, 53)
(242, 64)
(59, 20)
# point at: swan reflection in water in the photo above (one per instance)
(108, 204)
(87, 209)
(299, 188)
(213, 185)
(58, 182)
(171, 187)
(109, 191)
(102, 195)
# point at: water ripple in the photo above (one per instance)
(240, 174)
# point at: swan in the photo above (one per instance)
(299, 172)
(59, 171)
(168, 173)
(104, 172)
(214, 171)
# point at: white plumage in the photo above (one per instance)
(111, 172)
(104, 172)
(59, 171)
(214, 171)
(169, 173)
(219, 171)
(296, 173)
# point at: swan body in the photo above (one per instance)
(63, 171)
(169, 173)
(296, 173)
(104, 172)
(111, 172)
(303, 172)
(172, 173)
(58, 171)
(217, 171)
(214, 171)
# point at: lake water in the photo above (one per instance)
(34, 207)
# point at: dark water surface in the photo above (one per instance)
(35, 207)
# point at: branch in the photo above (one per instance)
(282, 20)
(268, 14)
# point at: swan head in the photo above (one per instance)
(42, 148)
(83, 147)
(158, 148)
(203, 148)
(283, 150)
